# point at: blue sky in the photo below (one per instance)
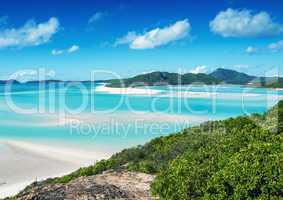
(129, 37)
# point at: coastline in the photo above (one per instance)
(133, 91)
(181, 94)
(32, 161)
(25, 162)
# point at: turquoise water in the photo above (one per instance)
(50, 104)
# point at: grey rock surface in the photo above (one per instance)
(109, 185)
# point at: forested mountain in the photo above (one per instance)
(219, 76)
(232, 76)
(163, 78)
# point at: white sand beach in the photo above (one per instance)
(129, 90)
(182, 93)
(22, 163)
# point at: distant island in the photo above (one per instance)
(3, 82)
(219, 76)
(164, 78)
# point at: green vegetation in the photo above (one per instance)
(232, 76)
(278, 83)
(163, 78)
(234, 166)
(218, 76)
(275, 85)
(237, 158)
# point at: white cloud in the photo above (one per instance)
(156, 37)
(244, 23)
(251, 50)
(32, 75)
(57, 52)
(130, 37)
(31, 34)
(275, 47)
(73, 48)
(96, 16)
(199, 69)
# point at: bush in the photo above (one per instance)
(237, 158)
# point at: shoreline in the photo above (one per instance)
(22, 163)
(132, 91)
(181, 94)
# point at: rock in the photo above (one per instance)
(109, 185)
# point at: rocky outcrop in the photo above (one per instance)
(109, 185)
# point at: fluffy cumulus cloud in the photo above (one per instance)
(72, 49)
(277, 46)
(199, 69)
(156, 37)
(244, 23)
(31, 34)
(96, 17)
(32, 74)
(251, 50)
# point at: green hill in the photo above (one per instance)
(163, 78)
(232, 76)
(3, 82)
(218, 76)
(237, 158)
